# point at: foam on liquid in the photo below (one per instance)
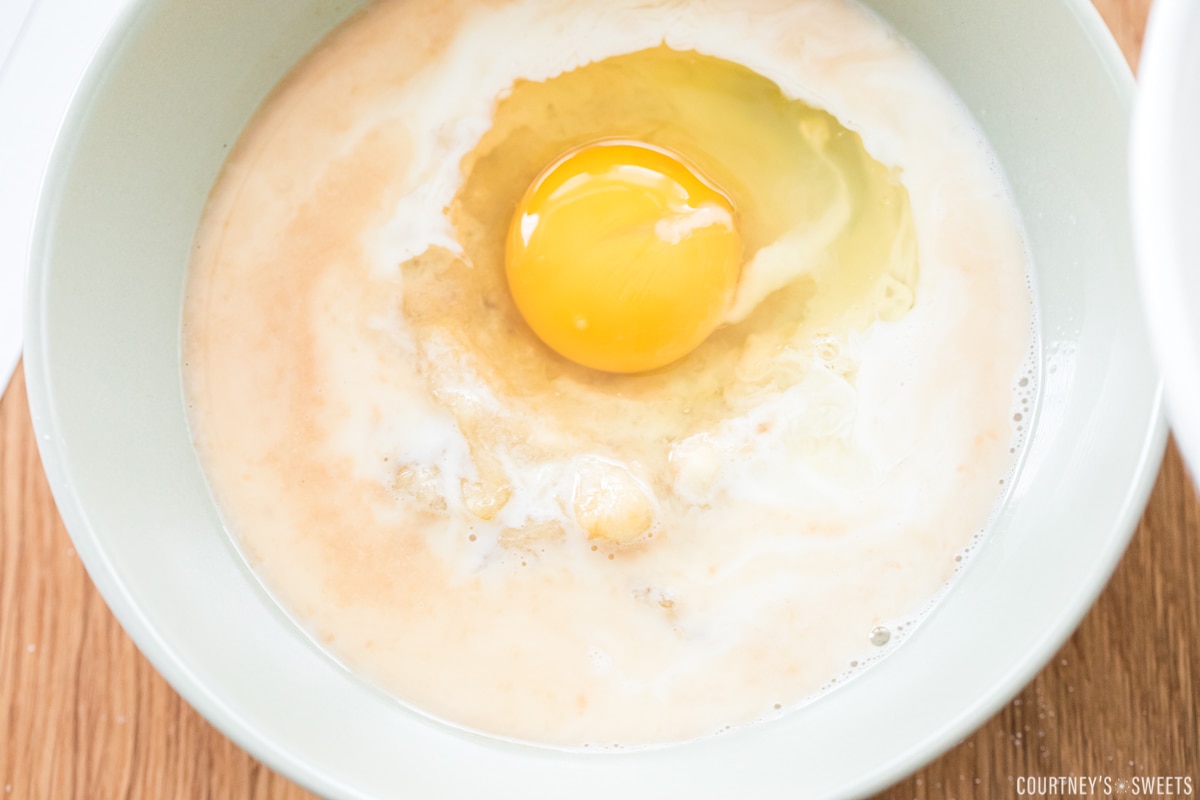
(411, 492)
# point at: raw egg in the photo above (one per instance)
(667, 542)
(622, 258)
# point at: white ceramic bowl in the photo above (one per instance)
(147, 133)
(1166, 207)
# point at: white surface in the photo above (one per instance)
(1166, 208)
(12, 20)
(44, 48)
(12, 17)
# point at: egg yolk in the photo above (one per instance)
(621, 258)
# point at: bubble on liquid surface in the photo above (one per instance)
(880, 636)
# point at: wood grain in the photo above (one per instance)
(83, 715)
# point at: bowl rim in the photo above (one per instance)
(233, 724)
(1162, 268)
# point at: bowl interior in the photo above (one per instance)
(148, 131)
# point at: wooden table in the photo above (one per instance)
(83, 715)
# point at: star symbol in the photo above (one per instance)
(1121, 786)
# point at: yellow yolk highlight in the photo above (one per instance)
(621, 258)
